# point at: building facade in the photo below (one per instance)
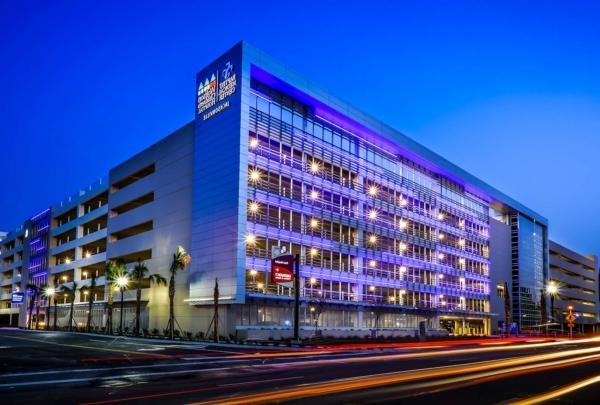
(391, 236)
(574, 281)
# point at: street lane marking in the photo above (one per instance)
(182, 392)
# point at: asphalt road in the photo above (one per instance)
(58, 367)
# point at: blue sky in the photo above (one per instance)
(508, 90)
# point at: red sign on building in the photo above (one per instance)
(282, 270)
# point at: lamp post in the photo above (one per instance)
(552, 290)
(48, 293)
(122, 283)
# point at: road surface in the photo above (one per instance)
(63, 368)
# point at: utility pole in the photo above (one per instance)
(216, 316)
(296, 297)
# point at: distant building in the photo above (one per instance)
(575, 278)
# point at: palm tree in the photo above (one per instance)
(180, 261)
(48, 292)
(113, 271)
(35, 290)
(71, 292)
(139, 273)
(90, 290)
(37, 306)
(55, 301)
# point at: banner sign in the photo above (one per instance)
(18, 297)
(282, 268)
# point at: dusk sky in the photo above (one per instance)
(509, 92)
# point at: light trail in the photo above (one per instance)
(489, 376)
(436, 353)
(558, 392)
(378, 380)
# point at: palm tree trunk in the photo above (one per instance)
(31, 303)
(48, 315)
(171, 309)
(55, 311)
(71, 313)
(109, 311)
(138, 306)
(89, 315)
(37, 314)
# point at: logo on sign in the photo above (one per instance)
(282, 268)
(18, 297)
(215, 88)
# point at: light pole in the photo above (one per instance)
(552, 290)
(122, 283)
(48, 293)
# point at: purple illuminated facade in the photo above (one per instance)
(37, 266)
(384, 242)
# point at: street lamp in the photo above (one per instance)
(122, 281)
(552, 290)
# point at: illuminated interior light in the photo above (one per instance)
(441, 296)
(462, 279)
(84, 273)
(260, 285)
(403, 202)
(372, 263)
(314, 194)
(313, 252)
(250, 239)
(88, 255)
(441, 236)
(441, 276)
(392, 299)
(403, 269)
(86, 292)
(441, 256)
(255, 175)
(373, 190)
(314, 223)
(253, 272)
(67, 260)
(371, 288)
(441, 216)
(253, 207)
(402, 292)
(253, 143)
(315, 167)
(312, 309)
(403, 247)
(313, 280)
(372, 239)
(373, 214)
(65, 278)
(443, 303)
(461, 242)
(461, 261)
(403, 224)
